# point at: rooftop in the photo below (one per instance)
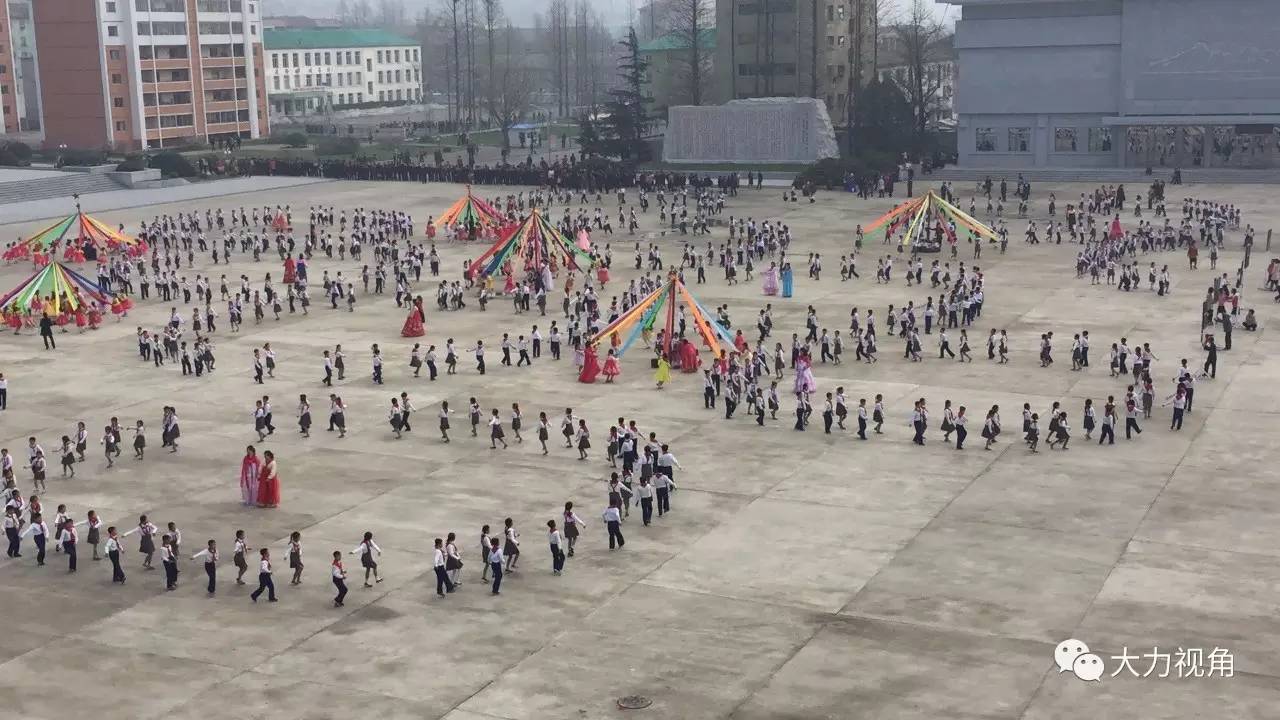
(677, 41)
(310, 39)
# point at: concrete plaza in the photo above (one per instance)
(800, 576)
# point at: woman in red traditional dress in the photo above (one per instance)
(611, 367)
(95, 316)
(290, 270)
(509, 287)
(568, 281)
(602, 274)
(414, 325)
(689, 360)
(740, 342)
(82, 318)
(269, 482)
(590, 365)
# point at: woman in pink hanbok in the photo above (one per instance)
(770, 285)
(804, 374)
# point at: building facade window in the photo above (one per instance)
(113, 31)
(1020, 139)
(1100, 139)
(1064, 139)
(116, 79)
(121, 126)
(117, 102)
(984, 139)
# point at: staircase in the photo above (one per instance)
(58, 184)
(1103, 175)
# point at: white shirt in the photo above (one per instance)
(611, 514)
(437, 558)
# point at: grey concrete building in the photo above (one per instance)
(1118, 83)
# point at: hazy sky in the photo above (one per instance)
(521, 12)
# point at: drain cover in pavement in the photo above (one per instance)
(634, 702)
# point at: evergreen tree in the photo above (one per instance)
(622, 133)
(588, 139)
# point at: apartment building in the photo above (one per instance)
(9, 112)
(312, 71)
(132, 74)
(792, 48)
(20, 78)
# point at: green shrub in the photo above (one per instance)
(133, 163)
(21, 152)
(172, 164)
(338, 146)
(295, 140)
(76, 158)
(831, 172)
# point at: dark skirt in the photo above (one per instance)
(444, 423)
(542, 434)
(511, 549)
(571, 530)
(584, 444)
(304, 420)
(366, 560)
(496, 432)
(515, 424)
(93, 536)
(146, 545)
(139, 442)
(295, 561)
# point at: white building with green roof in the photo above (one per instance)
(310, 71)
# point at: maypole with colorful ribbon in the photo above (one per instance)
(471, 212)
(929, 212)
(77, 237)
(61, 293)
(534, 241)
(664, 302)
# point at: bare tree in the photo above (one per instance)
(690, 20)
(391, 14)
(510, 95)
(921, 35)
(557, 45)
(492, 11)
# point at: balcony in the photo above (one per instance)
(170, 133)
(228, 84)
(162, 87)
(157, 110)
(175, 64)
(221, 105)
